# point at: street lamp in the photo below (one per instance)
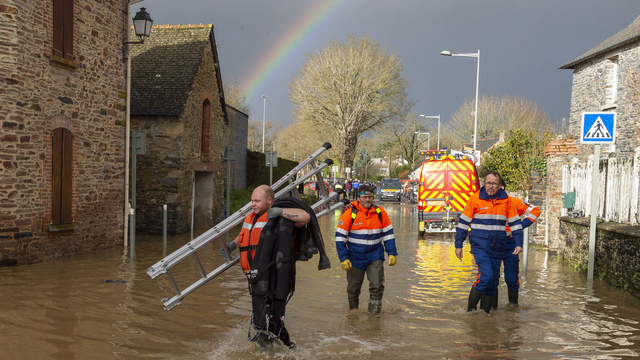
(428, 138)
(142, 23)
(434, 117)
(475, 113)
(264, 110)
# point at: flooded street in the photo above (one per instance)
(104, 306)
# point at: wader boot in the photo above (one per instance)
(474, 298)
(513, 298)
(353, 304)
(495, 300)
(486, 302)
(375, 306)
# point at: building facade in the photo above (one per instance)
(177, 100)
(62, 127)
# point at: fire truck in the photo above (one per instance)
(446, 184)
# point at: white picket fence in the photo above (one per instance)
(618, 198)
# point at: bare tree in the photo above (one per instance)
(254, 135)
(349, 88)
(496, 115)
(236, 96)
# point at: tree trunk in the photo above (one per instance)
(349, 150)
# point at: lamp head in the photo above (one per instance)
(446, 53)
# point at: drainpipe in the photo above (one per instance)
(127, 119)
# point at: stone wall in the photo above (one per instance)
(237, 138)
(40, 93)
(588, 94)
(165, 174)
(617, 246)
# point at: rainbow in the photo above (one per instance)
(294, 36)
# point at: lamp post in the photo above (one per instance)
(434, 117)
(475, 113)
(142, 24)
(428, 138)
(264, 110)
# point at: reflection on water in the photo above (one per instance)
(65, 309)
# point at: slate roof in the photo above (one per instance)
(164, 67)
(628, 35)
(481, 144)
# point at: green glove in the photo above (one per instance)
(346, 265)
(274, 212)
(231, 246)
(392, 260)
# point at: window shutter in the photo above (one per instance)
(68, 29)
(67, 178)
(58, 27)
(56, 164)
(62, 177)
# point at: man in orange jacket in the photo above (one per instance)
(484, 220)
(363, 234)
(262, 200)
(511, 261)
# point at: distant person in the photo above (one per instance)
(487, 214)
(347, 189)
(510, 257)
(355, 186)
(363, 234)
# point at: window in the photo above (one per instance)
(62, 169)
(63, 29)
(205, 141)
(611, 82)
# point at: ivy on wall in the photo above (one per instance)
(522, 152)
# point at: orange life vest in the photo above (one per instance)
(249, 237)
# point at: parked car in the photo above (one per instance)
(390, 189)
(413, 192)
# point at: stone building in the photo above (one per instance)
(62, 127)
(177, 99)
(605, 78)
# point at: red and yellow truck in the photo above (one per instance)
(446, 184)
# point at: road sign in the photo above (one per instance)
(598, 128)
(271, 158)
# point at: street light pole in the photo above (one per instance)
(475, 114)
(428, 138)
(264, 111)
(434, 117)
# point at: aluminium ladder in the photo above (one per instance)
(189, 250)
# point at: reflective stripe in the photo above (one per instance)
(532, 217)
(366, 232)
(463, 226)
(512, 219)
(341, 232)
(390, 227)
(258, 225)
(488, 227)
(465, 218)
(365, 242)
(516, 227)
(388, 237)
(490, 217)
(341, 239)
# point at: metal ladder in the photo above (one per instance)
(189, 250)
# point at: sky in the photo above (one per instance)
(262, 44)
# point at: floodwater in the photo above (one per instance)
(104, 306)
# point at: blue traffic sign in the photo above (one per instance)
(598, 128)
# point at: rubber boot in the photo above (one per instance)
(495, 300)
(513, 298)
(486, 302)
(353, 304)
(474, 298)
(375, 306)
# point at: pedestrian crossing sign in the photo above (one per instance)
(598, 128)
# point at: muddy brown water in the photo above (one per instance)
(104, 306)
